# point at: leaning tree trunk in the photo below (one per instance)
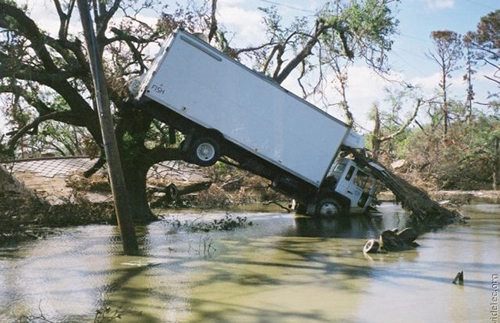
(426, 214)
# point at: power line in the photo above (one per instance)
(287, 6)
(415, 38)
(481, 5)
(406, 62)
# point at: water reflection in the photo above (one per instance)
(281, 269)
(360, 226)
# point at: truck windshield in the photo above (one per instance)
(337, 170)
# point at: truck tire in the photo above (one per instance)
(328, 207)
(204, 151)
(371, 246)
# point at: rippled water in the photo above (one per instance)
(280, 269)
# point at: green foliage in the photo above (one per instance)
(486, 38)
(5, 152)
(368, 27)
(191, 17)
(273, 22)
(351, 29)
(372, 19)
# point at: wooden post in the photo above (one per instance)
(120, 194)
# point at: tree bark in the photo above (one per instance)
(135, 179)
(376, 134)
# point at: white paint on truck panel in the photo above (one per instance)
(217, 92)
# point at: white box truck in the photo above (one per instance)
(227, 110)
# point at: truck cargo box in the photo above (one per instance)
(250, 110)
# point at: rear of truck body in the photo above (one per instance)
(226, 109)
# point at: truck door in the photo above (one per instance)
(364, 182)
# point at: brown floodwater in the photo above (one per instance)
(280, 269)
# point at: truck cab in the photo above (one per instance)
(347, 188)
(355, 183)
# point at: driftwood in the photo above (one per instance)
(193, 188)
(173, 192)
(425, 212)
(393, 240)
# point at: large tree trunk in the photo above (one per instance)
(135, 168)
(135, 179)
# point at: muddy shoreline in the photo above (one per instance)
(32, 219)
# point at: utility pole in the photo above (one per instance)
(120, 194)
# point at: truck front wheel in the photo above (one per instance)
(328, 207)
(204, 151)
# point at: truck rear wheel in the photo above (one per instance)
(328, 207)
(204, 151)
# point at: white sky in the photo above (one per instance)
(417, 19)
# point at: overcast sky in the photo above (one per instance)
(418, 18)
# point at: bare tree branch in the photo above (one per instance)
(58, 115)
(29, 29)
(64, 18)
(406, 124)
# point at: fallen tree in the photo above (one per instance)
(426, 213)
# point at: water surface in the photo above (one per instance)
(280, 269)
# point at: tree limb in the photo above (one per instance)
(97, 165)
(64, 18)
(27, 27)
(58, 115)
(405, 125)
(103, 17)
(128, 40)
(213, 21)
(320, 28)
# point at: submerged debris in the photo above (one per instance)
(459, 278)
(392, 240)
(371, 246)
(227, 223)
